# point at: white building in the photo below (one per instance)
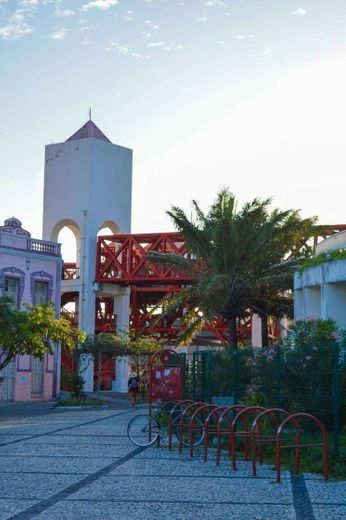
(88, 187)
(320, 291)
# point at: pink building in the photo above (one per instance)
(30, 272)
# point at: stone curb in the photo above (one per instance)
(91, 407)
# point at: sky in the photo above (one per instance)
(248, 94)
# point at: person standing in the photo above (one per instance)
(133, 387)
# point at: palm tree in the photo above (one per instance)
(241, 261)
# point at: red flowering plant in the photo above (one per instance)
(261, 388)
(302, 371)
(312, 360)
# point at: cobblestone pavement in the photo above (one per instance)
(80, 465)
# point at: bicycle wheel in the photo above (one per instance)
(198, 433)
(143, 430)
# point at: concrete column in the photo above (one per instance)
(256, 331)
(122, 311)
(312, 301)
(334, 302)
(298, 304)
(87, 323)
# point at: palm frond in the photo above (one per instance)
(179, 263)
(191, 328)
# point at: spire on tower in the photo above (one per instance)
(89, 129)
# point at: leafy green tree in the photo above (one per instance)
(32, 331)
(241, 260)
(110, 345)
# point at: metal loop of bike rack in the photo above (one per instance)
(193, 427)
(234, 409)
(254, 434)
(161, 406)
(245, 434)
(175, 408)
(208, 430)
(293, 419)
(182, 420)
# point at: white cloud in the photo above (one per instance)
(299, 12)
(29, 3)
(99, 4)
(125, 50)
(151, 24)
(86, 41)
(220, 42)
(202, 19)
(166, 46)
(266, 52)
(244, 36)
(156, 44)
(15, 30)
(116, 47)
(58, 35)
(16, 26)
(212, 3)
(64, 13)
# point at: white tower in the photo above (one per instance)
(87, 187)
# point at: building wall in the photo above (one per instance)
(87, 186)
(29, 266)
(320, 292)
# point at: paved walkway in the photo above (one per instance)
(80, 465)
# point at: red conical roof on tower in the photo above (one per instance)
(88, 130)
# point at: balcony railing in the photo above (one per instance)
(71, 316)
(102, 323)
(43, 247)
(70, 272)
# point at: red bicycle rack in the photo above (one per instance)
(193, 427)
(189, 410)
(257, 436)
(208, 430)
(224, 415)
(244, 434)
(173, 411)
(181, 425)
(293, 419)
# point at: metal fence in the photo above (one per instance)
(311, 379)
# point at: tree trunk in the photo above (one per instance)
(99, 362)
(233, 333)
(4, 362)
(264, 329)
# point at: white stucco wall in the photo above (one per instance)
(321, 292)
(87, 182)
(337, 241)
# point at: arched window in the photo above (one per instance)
(67, 233)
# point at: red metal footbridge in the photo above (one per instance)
(124, 259)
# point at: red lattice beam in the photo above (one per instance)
(125, 258)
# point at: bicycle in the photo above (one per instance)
(145, 429)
